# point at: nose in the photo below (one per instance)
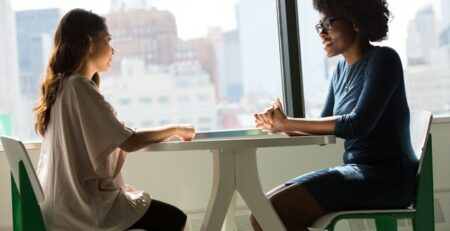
(323, 33)
(113, 51)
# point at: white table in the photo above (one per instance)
(235, 169)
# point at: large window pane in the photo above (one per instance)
(210, 63)
(420, 34)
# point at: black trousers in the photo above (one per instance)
(161, 216)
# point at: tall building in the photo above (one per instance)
(199, 50)
(445, 12)
(421, 37)
(444, 37)
(123, 5)
(150, 35)
(234, 85)
(35, 30)
(216, 39)
(227, 52)
(9, 71)
(427, 77)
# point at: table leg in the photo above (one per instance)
(249, 186)
(223, 188)
(230, 218)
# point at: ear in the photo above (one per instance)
(91, 44)
(355, 27)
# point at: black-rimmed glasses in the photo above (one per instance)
(326, 24)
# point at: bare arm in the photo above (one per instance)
(321, 126)
(142, 138)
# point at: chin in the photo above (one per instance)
(331, 54)
(106, 68)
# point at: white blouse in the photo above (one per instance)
(80, 163)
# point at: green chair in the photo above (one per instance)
(422, 211)
(25, 188)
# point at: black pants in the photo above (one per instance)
(161, 216)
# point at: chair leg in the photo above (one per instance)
(16, 205)
(424, 219)
(330, 227)
(386, 224)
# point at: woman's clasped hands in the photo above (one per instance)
(272, 119)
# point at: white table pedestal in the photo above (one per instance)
(236, 170)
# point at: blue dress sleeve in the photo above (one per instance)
(383, 76)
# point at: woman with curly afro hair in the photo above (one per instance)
(366, 105)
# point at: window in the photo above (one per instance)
(421, 36)
(222, 54)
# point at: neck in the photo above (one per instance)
(87, 71)
(356, 51)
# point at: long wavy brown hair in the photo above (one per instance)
(70, 51)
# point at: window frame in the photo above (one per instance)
(291, 62)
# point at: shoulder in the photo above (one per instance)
(384, 54)
(79, 85)
(385, 64)
(78, 81)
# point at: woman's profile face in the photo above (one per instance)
(101, 52)
(337, 34)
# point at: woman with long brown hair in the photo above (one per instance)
(84, 145)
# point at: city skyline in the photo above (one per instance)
(189, 27)
(9, 93)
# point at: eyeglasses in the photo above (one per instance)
(326, 24)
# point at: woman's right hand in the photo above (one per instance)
(185, 132)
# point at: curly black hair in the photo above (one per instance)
(371, 17)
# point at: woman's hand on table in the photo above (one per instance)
(185, 132)
(272, 119)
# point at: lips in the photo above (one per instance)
(326, 43)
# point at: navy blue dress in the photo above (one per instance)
(379, 165)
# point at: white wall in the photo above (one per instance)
(184, 178)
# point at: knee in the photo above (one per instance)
(276, 200)
(180, 219)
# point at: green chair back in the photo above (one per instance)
(26, 190)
